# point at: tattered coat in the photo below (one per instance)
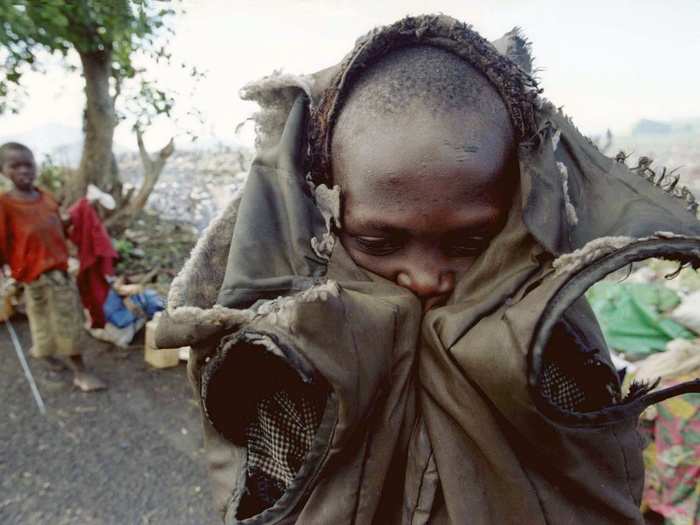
(502, 406)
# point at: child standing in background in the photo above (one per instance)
(33, 244)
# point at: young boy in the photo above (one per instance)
(372, 353)
(33, 244)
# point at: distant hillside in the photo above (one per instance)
(655, 127)
(63, 143)
(677, 148)
(47, 139)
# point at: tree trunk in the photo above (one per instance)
(96, 163)
(152, 168)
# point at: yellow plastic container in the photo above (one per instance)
(158, 357)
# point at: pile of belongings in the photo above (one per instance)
(116, 311)
(127, 309)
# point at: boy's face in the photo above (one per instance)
(423, 197)
(18, 165)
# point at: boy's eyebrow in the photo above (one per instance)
(479, 230)
(382, 227)
(485, 229)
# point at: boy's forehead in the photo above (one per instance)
(424, 173)
(15, 155)
(422, 146)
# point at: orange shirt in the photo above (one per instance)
(32, 240)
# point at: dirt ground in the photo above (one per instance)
(129, 455)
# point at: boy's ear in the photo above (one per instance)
(515, 45)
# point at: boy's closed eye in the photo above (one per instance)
(450, 245)
(377, 246)
(466, 247)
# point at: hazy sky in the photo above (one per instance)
(608, 62)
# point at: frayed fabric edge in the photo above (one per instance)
(328, 203)
(597, 248)
(571, 215)
(280, 312)
(274, 95)
(276, 80)
(593, 250)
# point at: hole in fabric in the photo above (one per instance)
(610, 315)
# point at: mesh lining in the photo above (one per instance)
(281, 435)
(573, 376)
(278, 439)
(562, 390)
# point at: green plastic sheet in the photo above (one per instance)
(633, 316)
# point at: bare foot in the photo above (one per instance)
(88, 382)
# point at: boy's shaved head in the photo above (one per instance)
(12, 146)
(423, 82)
(424, 77)
(417, 90)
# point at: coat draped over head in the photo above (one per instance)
(502, 406)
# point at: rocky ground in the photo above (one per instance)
(129, 455)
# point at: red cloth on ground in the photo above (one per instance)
(96, 255)
(31, 236)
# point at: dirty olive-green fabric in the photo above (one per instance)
(430, 418)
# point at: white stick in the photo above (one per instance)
(25, 367)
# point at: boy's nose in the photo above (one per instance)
(427, 282)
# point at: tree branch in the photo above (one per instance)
(145, 157)
(151, 172)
